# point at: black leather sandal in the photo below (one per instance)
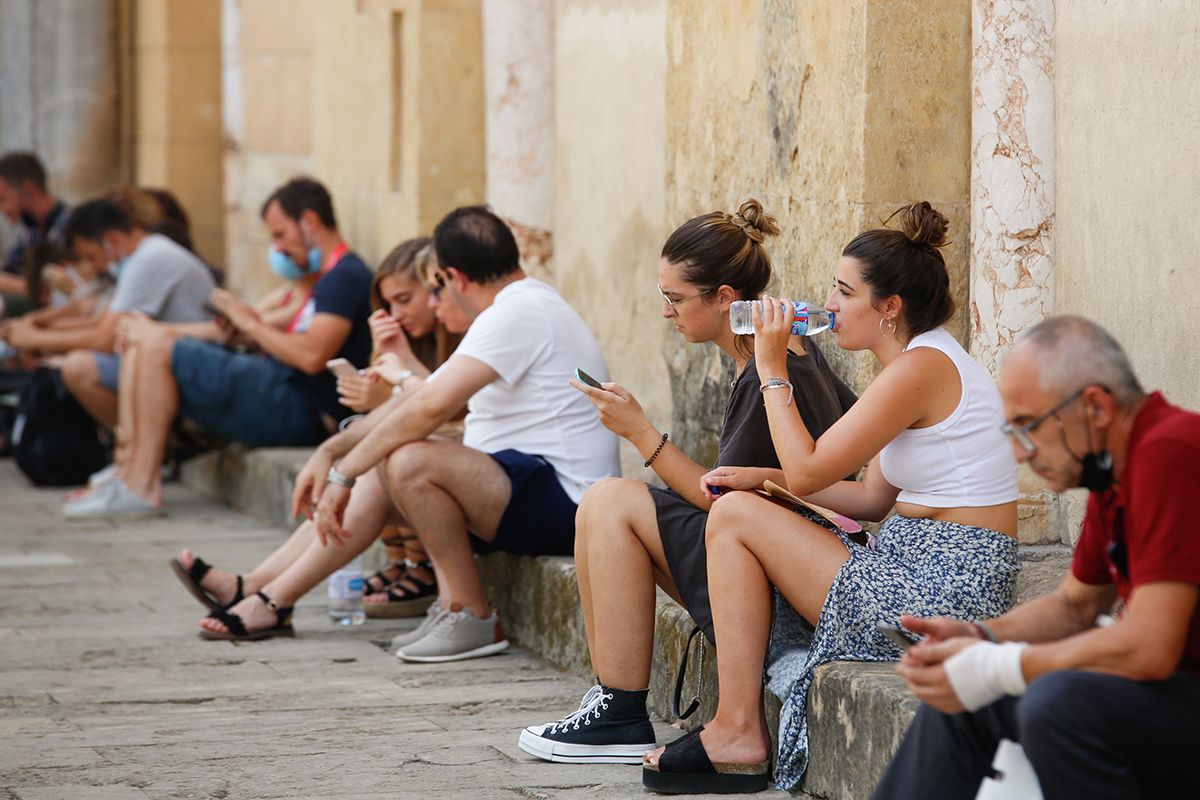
(403, 601)
(684, 768)
(191, 576)
(237, 628)
(381, 580)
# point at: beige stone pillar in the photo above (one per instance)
(58, 90)
(1012, 195)
(177, 119)
(518, 59)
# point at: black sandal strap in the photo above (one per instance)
(198, 569)
(426, 564)
(686, 754)
(281, 614)
(397, 593)
(682, 673)
(238, 595)
(384, 580)
(231, 621)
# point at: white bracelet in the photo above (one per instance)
(777, 383)
(400, 379)
(982, 673)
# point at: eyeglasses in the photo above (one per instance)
(1022, 432)
(674, 304)
(439, 283)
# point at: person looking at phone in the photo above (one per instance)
(1101, 712)
(928, 430)
(630, 536)
(531, 444)
(402, 588)
(25, 200)
(281, 396)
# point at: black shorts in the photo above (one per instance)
(540, 517)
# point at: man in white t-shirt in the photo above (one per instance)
(531, 445)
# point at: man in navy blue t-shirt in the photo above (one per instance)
(278, 395)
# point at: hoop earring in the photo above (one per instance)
(891, 331)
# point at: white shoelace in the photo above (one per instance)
(589, 709)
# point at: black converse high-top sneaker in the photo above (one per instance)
(611, 726)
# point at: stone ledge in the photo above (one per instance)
(857, 711)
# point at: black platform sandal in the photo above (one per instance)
(191, 576)
(237, 628)
(684, 768)
(380, 580)
(402, 601)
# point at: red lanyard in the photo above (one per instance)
(330, 263)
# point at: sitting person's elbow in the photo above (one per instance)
(1155, 663)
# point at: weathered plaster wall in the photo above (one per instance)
(382, 100)
(518, 55)
(59, 90)
(834, 115)
(610, 66)
(1128, 180)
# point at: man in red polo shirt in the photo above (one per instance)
(1100, 711)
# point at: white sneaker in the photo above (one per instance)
(457, 634)
(102, 476)
(110, 500)
(431, 615)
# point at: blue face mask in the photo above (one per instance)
(285, 266)
(115, 265)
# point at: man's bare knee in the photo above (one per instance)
(408, 464)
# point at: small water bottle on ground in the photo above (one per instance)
(809, 320)
(346, 593)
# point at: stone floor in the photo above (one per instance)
(106, 692)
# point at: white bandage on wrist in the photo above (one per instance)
(983, 673)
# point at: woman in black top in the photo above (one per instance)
(631, 536)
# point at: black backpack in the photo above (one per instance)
(55, 442)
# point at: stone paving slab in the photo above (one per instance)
(106, 692)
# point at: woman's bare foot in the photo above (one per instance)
(220, 584)
(254, 614)
(404, 585)
(728, 744)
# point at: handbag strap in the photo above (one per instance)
(683, 663)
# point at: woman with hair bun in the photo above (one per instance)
(928, 429)
(630, 536)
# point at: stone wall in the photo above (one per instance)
(59, 90)
(1128, 179)
(382, 100)
(834, 115)
(610, 67)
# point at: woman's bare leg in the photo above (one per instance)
(368, 510)
(752, 545)
(619, 559)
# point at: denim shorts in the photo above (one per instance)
(540, 517)
(108, 368)
(245, 398)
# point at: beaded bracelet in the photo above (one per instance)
(777, 383)
(657, 450)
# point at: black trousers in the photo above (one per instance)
(1087, 735)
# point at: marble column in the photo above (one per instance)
(518, 52)
(1012, 196)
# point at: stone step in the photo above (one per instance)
(857, 712)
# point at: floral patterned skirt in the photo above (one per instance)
(917, 566)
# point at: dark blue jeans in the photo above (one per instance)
(1087, 735)
(244, 398)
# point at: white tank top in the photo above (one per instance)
(964, 460)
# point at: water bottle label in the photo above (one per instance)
(800, 321)
(355, 585)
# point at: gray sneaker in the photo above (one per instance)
(455, 635)
(109, 500)
(431, 615)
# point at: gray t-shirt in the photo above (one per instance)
(163, 281)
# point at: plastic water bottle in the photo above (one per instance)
(809, 320)
(346, 593)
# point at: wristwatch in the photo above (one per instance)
(334, 476)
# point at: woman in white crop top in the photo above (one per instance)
(928, 430)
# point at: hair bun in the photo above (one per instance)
(756, 222)
(923, 224)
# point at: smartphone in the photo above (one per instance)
(898, 637)
(341, 368)
(583, 377)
